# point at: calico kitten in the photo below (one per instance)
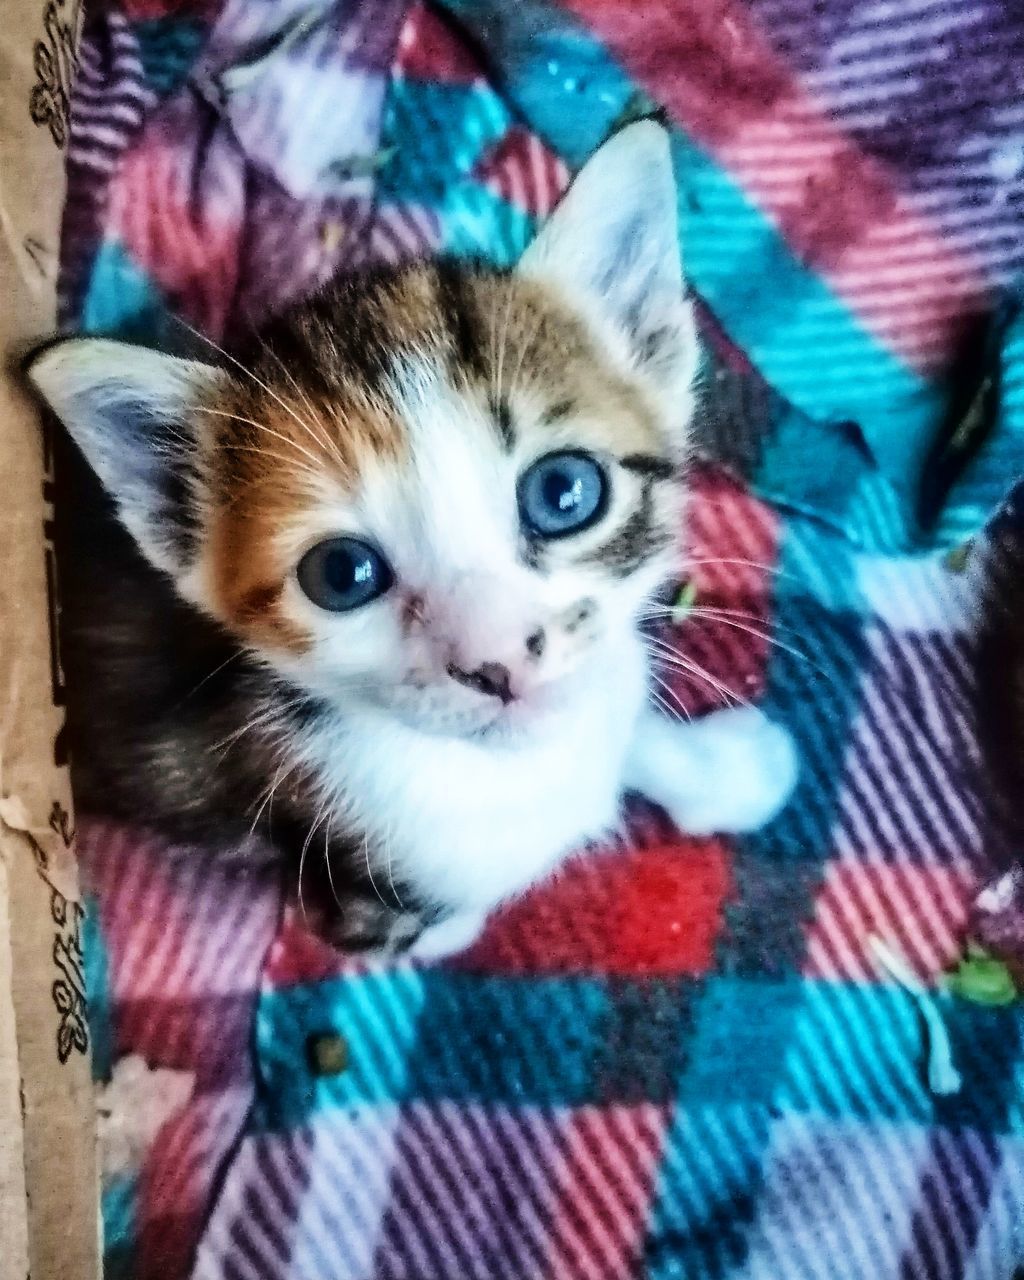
(393, 556)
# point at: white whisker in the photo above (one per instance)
(711, 562)
(725, 619)
(262, 426)
(672, 696)
(327, 862)
(740, 622)
(391, 873)
(209, 676)
(673, 658)
(263, 717)
(267, 801)
(249, 374)
(321, 813)
(321, 435)
(292, 464)
(369, 871)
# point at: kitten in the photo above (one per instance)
(393, 559)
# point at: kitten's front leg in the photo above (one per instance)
(449, 936)
(730, 772)
(374, 918)
(362, 924)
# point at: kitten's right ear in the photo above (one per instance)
(132, 413)
(612, 246)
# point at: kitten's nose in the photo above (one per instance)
(491, 678)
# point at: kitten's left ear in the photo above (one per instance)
(612, 246)
(132, 412)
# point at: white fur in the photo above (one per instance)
(730, 771)
(471, 823)
(468, 822)
(448, 521)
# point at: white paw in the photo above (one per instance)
(448, 937)
(746, 767)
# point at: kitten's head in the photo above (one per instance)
(439, 491)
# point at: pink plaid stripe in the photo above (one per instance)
(186, 934)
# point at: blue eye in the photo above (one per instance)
(343, 573)
(562, 494)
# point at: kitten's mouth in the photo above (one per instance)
(495, 722)
(520, 717)
(446, 711)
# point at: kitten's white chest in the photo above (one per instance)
(468, 824)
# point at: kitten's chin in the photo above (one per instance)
(520, 721)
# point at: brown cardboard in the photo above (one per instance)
(48, 1188)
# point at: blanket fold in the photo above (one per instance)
(681, 1060)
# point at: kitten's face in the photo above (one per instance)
(440, 493)
(450, 536)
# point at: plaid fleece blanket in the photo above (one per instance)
(682, 1059)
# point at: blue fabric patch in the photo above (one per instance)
(508, 1040)
(747, 1024)
(97, 988)
(552, 69)
(168, 48)
(707, 1192)
(430, 1035)
(122, 299)
(857, 1051)
(439, 132)
(479, 224)
(119, 1203)
(376, 1016)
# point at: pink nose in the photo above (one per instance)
(483, 629)
(495, 679)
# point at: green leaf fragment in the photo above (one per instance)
(362, 166)
(684, 601)
(982, 979)
(957, 558)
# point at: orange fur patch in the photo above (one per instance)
(270, 461)
(530, 336)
